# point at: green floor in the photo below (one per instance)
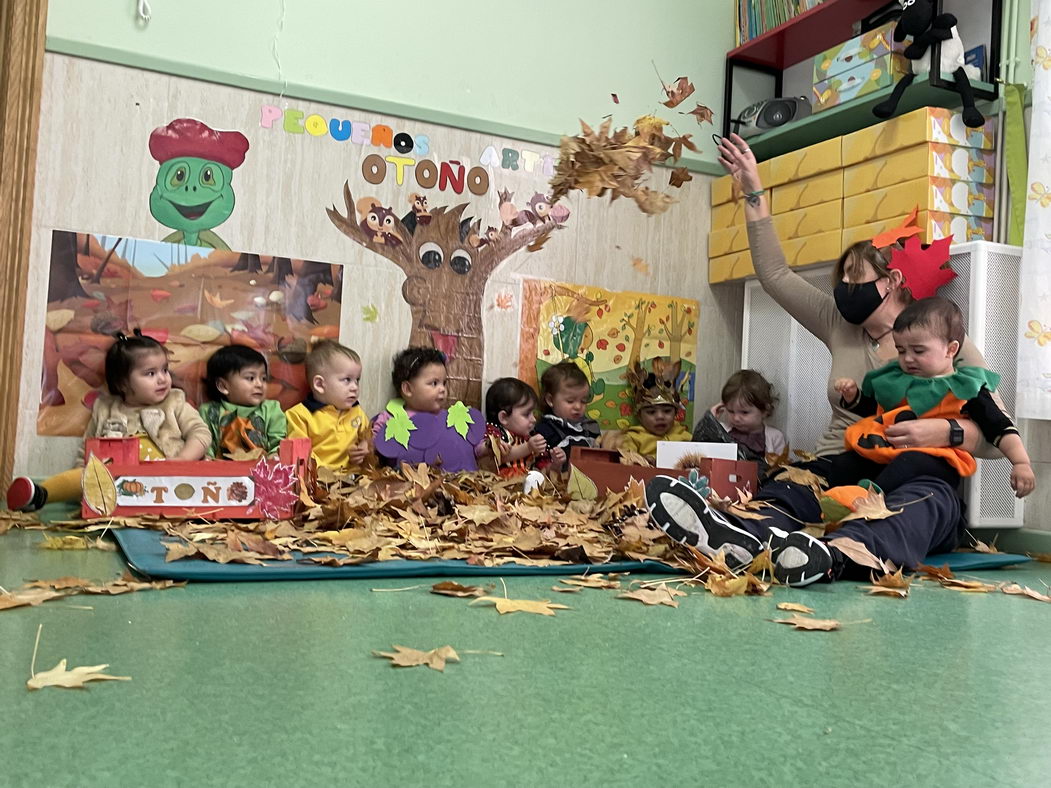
(273, 684)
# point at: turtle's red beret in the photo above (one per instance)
(189, 137)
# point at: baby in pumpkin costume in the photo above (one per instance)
(925, 383)
(658, 403)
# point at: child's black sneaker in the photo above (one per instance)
(25, 496)
(679, 510)
(799, 558)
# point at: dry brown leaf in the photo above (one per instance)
(795, 607)
(872, 507)
(791, 473)
(64, 543)
(678, 92)
(701, 113)
(1017, 590)
(777, 460)
(972, 586)
(451, 588)
(539, 607)
(76, 678)
(935, 572)
(857, 552)
(802, 622)
(247, 455)
(643, 268)
(435, 659)
(60, 583)
(981, 547)
(616, 99)
(679, 176)
(592, 581)
(27, 597)
(762, 564)
(1042, 557)
(804, 456)
(100, 493)
(661, 595)
(890, 584)
(567, 589)
(720, 585)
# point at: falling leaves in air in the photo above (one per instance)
(701, 113)
(435, 659)
(616, 99)
(643, 268)
(451, 588)
(60, 676)
(503, 605)
(678, 92)
(660, 595)
(679, 176)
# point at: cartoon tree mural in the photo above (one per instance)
(65, 273)
(447, 263)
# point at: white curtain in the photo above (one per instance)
(1034, 354)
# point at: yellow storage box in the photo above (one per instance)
(930, 158)
(931, 194)
(928, 124)
(730, 267)
(727, 214)
(727, 240)
(809, 191)
(935, 225)
(809, 221)
(812, 249)
(805, 163)
(722, 188)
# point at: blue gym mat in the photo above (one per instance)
(144, 552)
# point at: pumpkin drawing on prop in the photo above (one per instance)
(194, 191)
(447, 259)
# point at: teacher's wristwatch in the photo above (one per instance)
(955, 433)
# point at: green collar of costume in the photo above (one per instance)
(891, 386)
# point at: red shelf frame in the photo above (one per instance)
(806, 35)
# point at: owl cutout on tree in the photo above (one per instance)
(447, 260)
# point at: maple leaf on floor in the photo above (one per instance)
(924, 270)
(701, 113)
(981, 547)
(720, 585)
(970, 586)
(935, 572)
(567, 589)
(435, 659)
(592, 581)
(802, 622)
(679, 176)
(677, 93)
(762, 563)
(64, 543)
(1015, 589)
(795, 607)
(661, 595)
(503, 605)
(890, 584)
(28, 597)
(60, 583)
(76, 678)
(451, 588)
(1042, 557)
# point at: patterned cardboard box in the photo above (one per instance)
(931, 194)
(927, 124)
(935, 225)
(867, 78)
(935, 159)
(874, 44)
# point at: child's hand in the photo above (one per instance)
(358, 453)
(847, 389)
(1023, 480)
(558, 457)
(537, 443)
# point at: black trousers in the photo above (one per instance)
(931, 519)
(852, 467)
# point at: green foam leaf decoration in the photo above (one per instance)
(400, 423)
(459, 418)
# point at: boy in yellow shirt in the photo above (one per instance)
(658, 401)
(330, 416)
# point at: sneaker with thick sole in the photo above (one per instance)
(799, 558)
(681, 512)
(25, 496)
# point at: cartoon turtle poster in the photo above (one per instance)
(194, 190)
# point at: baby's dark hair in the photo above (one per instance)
(410, 362)
(123, 355)
(938, 314)
(564, 373)
(752, 388)
(229, 360)
(505, 394)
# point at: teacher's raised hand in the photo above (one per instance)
(739, 161)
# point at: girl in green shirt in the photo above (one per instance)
(238, 415)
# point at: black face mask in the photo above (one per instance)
(857, 302)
